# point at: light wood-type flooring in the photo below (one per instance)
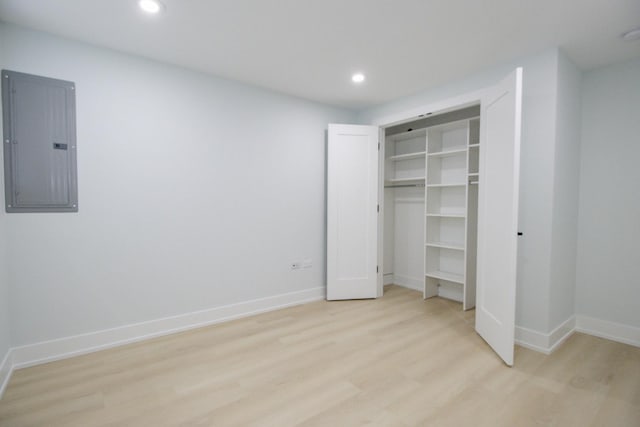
(395, 361)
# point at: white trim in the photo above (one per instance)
(560, 334)
(48, 351)
(388, 279)
(6, 369)
(455, 102)
(533, 340)
(408, 282)
(610, 330)
(545, 343)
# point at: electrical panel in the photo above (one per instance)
(39, 140)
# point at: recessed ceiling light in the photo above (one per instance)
(357, 78)
(631, 35)
(150, 6)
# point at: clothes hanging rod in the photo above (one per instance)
(404, 185)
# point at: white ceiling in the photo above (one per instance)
(310, 48)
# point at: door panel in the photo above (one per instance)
(40, 172)
(498, 214)
(352, 198)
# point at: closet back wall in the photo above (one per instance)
(194, 192)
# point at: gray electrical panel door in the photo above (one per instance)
(39, 121)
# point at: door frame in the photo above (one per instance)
(438, 107)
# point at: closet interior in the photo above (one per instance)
(430, 205)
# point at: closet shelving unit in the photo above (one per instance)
(451, 172)
(430, 209)
(405, 162)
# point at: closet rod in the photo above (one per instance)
(404, 185)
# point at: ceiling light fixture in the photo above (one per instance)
(150, 6)
(631, 35)
(357, 78)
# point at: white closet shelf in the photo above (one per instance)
(446, 245)
(474, 174)
(445, 275)
(413, 179)
(448, 153)
(474, 145)
(408, 156)
(459, 184)
(447, 215)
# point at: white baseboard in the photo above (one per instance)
(387, 279)
(6, 369)
(409, 282)
(560, 334)
(533, 340)
(609, 330)
(545, 343)
(43, 352)
(35, 354)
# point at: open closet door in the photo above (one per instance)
(498, 214)
(352, 212)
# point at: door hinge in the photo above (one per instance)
(377, 269)
(378, 146)
(378, 208)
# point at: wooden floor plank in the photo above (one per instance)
(395, 361)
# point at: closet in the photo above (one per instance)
(431, 203)
(428, 199)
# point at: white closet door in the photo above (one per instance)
(498, 214)
(352, 217)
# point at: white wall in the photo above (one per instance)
(408, 236)
(564, 231)
(536, 192)
(538, 139)
(403, 262)
(5, 332)
(5, 340)
(608, 266)
(194, 192)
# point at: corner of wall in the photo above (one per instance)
(607, 267)
(536, 191)
(566, 177)
(545, 343)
